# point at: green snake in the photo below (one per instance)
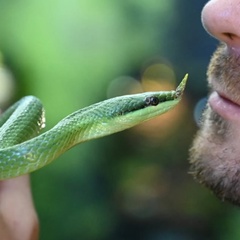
(23, 150)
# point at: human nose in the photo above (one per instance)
(221, 19)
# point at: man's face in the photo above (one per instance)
(215, 154)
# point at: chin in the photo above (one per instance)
(215, 157)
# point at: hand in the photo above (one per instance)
(18, 218)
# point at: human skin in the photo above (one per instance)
(215, 154)
(18, 219)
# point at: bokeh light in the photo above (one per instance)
(122, 86)
(199, 109)
(158, 75)
(7, 84)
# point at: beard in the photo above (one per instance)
(215, 153)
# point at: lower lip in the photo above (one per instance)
(224, 107)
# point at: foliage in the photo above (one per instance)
(135, 184)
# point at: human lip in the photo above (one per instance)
(225, 107)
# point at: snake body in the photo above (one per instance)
(23, 150)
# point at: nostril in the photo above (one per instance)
(230, 36)
(221, 19)
(231, 39)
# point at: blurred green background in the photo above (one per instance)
(134, 184)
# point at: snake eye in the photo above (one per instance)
(152, 101)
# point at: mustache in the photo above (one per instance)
(223, 73)
(225, 62)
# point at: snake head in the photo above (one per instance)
(130, 110)
(181, 87)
